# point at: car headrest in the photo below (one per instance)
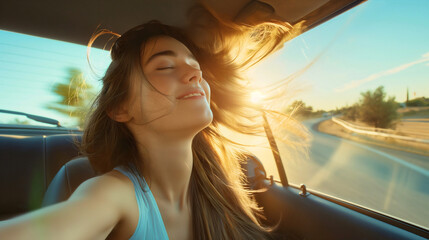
(68, 178)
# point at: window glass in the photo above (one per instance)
(48, 78)
(365, 101)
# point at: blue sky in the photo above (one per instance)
(380, 42)
(377, 43)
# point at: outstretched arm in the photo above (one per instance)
(93, 210)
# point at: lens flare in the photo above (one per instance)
(256, 97)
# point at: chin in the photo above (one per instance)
(185, 125)
(198, 117)
(203, 121)
(208, 119)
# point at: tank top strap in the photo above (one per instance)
(150, 224)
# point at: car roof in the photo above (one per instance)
(75, 21)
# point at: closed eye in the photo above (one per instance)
(165, 68)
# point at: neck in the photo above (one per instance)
(167, 166)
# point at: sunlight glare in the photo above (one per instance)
(256, 97)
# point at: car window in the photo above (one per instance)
(365, 101)
(48, 78)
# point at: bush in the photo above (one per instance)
(352, 113)
(376, 110)
(418, 102)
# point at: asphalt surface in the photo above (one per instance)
(389, 181)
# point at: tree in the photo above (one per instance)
(19, 121)
(352, 112)
(75, 96)
(300, 109)
(377, 111)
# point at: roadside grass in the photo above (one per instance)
(416, 114)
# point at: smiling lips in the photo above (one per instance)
(192, 95)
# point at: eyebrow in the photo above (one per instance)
(166, 53)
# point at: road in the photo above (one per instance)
(389, 181)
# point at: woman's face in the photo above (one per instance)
(181, 98)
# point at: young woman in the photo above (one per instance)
(165, 171)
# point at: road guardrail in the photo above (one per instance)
(379, 132)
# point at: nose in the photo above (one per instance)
(192, 74)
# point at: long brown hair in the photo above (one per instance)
(221, 207)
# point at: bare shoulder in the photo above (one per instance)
(112, 186)
(116, 192)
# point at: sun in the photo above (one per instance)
(256, 97)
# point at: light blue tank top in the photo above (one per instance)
(150, 225)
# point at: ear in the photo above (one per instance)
(120, 114)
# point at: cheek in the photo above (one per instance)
(163, 83)
(153, 101)
(148, 104)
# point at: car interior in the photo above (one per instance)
(49, 157)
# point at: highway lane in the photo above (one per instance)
(385, 180)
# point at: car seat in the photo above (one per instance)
(68, 178)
